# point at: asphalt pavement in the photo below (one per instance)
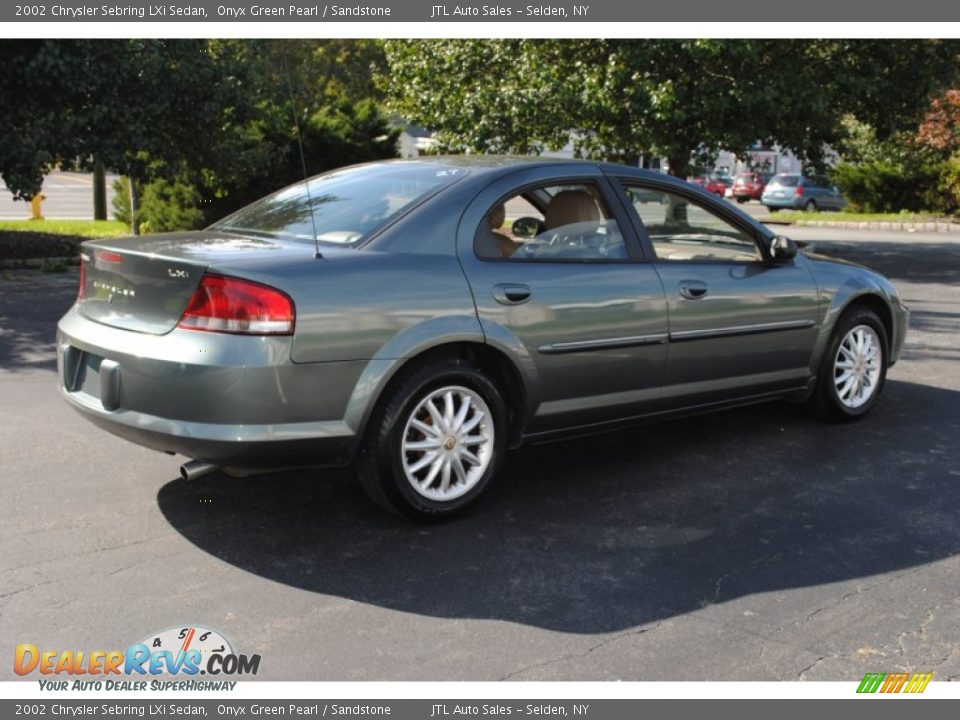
(756, 544)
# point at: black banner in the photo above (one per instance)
(852, 709)
(420, 11)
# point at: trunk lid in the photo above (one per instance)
(143, 283)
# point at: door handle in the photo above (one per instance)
(693, 289)
(511, 293)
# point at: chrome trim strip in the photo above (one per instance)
(604, 344)
(741, 330)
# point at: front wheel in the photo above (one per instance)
(436, 441)
(853, 369)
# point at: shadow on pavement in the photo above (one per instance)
(907, 262)
(30, 306)
(615, 531)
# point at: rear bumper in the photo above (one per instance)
(244, 447)
(233, 401)
(795, 202)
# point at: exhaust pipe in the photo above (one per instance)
(195, 469)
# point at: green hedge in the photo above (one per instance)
(165, 205)
(883, 187)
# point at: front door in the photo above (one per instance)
(740, 326)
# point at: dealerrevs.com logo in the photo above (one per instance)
(188, 651)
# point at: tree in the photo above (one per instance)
(215, 119)
(683, 99)
(940, 129)
(141, 107)
(309, 94)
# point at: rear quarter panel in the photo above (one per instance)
(375, 308)
(361, 305)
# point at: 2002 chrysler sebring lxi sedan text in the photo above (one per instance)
(389, 315)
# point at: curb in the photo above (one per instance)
(37, 263)
(876, 225)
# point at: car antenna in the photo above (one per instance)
(303, 162)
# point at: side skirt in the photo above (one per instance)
(794, 394)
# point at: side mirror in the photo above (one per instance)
(526, 227)
(782, 249)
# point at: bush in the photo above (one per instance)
(949, 185)
(882, 187)
(165, 205)
(121, 201)
(170, 205)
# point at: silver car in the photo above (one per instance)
(419, 318)
(801, 192)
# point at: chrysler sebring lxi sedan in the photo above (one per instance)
(418, 319)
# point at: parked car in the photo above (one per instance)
(713, 183)
(801, 192)
(393, 316)
(749, 186)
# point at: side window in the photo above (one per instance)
(551, 223)
(682, 230)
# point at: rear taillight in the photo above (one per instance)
(82, 289)
(108, 256)
(229, 305)
(799, 190)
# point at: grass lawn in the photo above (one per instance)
(856, 217)
(77, 228)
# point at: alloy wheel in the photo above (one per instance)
(857, 366)
(447, 443)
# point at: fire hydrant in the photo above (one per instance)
(35, 212)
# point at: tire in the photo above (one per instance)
(408, 482)
(773, 209)
(741, 200)
(831, 399)
(810, 206)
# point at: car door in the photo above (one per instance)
(833, 199)
(562, 287)
(740, 325)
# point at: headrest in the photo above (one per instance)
(569, 207)
(496, 217)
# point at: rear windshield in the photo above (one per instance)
(785, 180)
(347, 205)
(745, 178)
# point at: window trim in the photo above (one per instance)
(636, 252)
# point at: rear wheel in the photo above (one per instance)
(853, 369)
(810, 206)
(435, 442)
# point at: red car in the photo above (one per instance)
(716, 184)
(749, 186)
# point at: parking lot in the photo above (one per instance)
(67, 195)
(756, 544)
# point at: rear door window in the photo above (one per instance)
(552, 223)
